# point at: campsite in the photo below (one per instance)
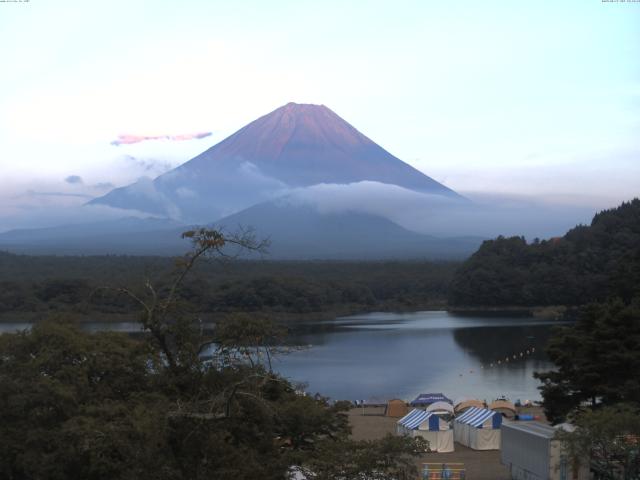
(469, 442)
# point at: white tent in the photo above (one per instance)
(478, 428)
(418, 423)
(440, 407)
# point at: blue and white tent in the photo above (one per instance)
(428, 425)
(478, 428)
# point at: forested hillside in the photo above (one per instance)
(32, 285)
(589, 264)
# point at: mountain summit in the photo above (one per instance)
(297, 145)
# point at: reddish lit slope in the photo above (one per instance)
(303, 144)
(296, 145)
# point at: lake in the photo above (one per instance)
(403, 354)
(384, 355)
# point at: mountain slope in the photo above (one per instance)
(301, 232)
(296, 232)
(296, 145)
(131, 236)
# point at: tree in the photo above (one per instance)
(161, 316)
(249, 338)
(74, 405)
(588, 264)
(388, 458)
(610, 437)
(597, 360)
(94, 406)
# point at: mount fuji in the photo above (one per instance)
(300, 175)
(297, 145)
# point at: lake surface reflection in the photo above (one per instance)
(402, 354)
(399, 355)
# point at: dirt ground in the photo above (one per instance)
(370, 423)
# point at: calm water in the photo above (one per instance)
(387, 355)
(402, 354)
(124, 327)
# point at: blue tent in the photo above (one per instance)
(478, 428)
(428, 425)
(426, 399)
(476, 417)
(415, 418)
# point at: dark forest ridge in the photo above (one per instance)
(33, 287)
(588, 264)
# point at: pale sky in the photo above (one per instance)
(537, 98)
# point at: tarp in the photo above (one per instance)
(425, 399)
(458, 400)
(429, 426)
(462, 405)
(396, 408)
(505, 407)
(478, 428)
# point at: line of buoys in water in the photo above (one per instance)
(507, 359)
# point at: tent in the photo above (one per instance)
(506, 408)
(462, 405)
(396, 408)
(458, 400)
(426, 399)
(440, 407)
(418, 423)
(478, 428)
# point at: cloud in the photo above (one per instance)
(252, 174)
(485, 216)
(39, 209)
(74, 180)
(151, 166)
(145, 187)
(104, 186)
(128, 139)
(33, 193)
(184, 192)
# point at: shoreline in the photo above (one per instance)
(556, 312)
(278, 316)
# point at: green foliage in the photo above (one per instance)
(389, 458)
(36, 285)
(597, 360)
(588, 264)
(249, 339)
(79, 405)
(94, 406)
(74, 405)
(610, 438)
